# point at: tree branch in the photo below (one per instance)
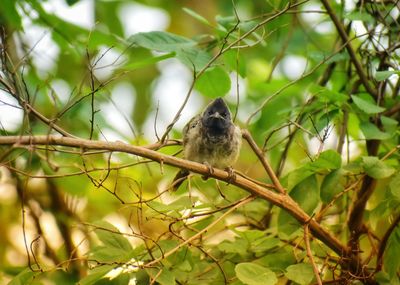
(350, 50)
(355, 221)
(225, 47)
(284, 201)
(281, 200)
(247, 136)
(309, 254)
(383, 244)
(200, 233)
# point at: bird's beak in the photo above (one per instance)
(216, 115)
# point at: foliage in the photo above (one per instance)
(315, 83)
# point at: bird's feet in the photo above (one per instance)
(210, 171)
(231, 174)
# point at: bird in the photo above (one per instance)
(211, 138)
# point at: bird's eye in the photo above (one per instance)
(224, 114)
(210, 113)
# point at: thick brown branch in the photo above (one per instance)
(356, 215)
(363, 194)
(281, 200)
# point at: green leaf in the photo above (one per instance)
(164, 246)
(329, 96)
(225, 23)
(72, 35)
(395, 185)
(360, 16)
(379, 212)
(96, 274)
(9, 11)
(331, 185)
(251, 235)
(254, 274)
(301, 273)
(327, 160)
(342, 56)
(235, 60)
(24, 277)
(258, 240)
(322, 56)
(214, 82)
(110, 254)
(76, 186)
(376, 168)
(384, 279)
(306, 194)
(108, 12)
(383, 75)
(263, 244)
(194, 58)
(277, 261)
(161, 41)
(365, 106)
(122, 278)
(389, 124)
(296, 176)
(116, 247)
(239, 246)
(110, 236)
(391, 258)
(177, 205)
(185, 266)
(246, 26)
(146, 61)
(371, 132)
(196, 16)
(166, 277)
(184, 48)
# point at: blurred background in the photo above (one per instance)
(93, 69)
(57, 51)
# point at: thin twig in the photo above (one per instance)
(200, 233)
(247, 136)
(350, 50)
(222, 50)
(283, 88)
(281, 200)
(309, 254)
(92, 89)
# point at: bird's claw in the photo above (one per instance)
(231, 174)
(210, 171)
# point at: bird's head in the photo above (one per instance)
(216, 116)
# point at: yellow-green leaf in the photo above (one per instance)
(254, 274)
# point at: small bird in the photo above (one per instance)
(211, 138)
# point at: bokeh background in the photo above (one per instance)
(84, 64)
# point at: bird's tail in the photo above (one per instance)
(179, 178)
